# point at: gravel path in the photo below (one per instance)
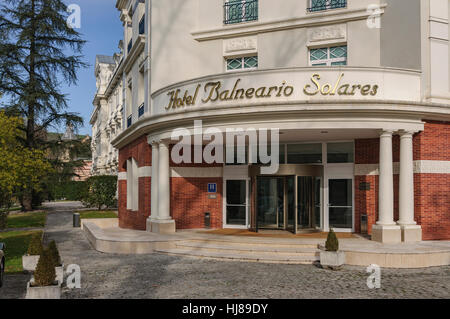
(160, 276)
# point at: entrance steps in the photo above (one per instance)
(245, 251)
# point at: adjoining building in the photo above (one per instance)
(106, 120)
(359, 91)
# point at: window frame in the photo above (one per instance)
(328, 6)
(242, 58)
(243, 18)
(329, 60)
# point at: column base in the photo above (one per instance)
(149, 225)
(386, 234)
(411, 233)
(163, 226)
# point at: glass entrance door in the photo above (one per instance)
(271, 202)
(308, 202)
(340, 207)
(288, 202)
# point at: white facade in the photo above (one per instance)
(106, 119)
(366, 69)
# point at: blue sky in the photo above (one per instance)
(102, 29)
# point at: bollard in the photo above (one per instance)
(76, 220)
(207, 220)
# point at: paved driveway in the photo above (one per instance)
(160, 276)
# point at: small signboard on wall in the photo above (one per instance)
(212, 188)
(364, 186)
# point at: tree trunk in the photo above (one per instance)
(27, 201)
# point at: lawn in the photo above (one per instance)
(91, 214)
(27, 220)
(16, 246)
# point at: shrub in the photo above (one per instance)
(101, 191)
(35, 246)
(54, 253)
(332, 243)
(3, 220)
(45, 274)
(71, 190)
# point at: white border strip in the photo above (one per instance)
(199, 172)
(420, 167)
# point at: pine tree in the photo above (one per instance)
(34, 43)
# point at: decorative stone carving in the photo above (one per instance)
(327, 34)
(233, 46)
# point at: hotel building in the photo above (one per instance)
(359, 91)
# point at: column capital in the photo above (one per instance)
(386, 133)
(154, 141)
(406, 134)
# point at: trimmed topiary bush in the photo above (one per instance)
(45, 274)
(101, 192)
(54, 253)
(332, 243)
(35, 246)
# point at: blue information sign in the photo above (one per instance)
(212, 188)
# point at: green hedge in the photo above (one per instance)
(69, 191)
(101, 192)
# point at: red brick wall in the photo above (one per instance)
(432, 191)
(433, 143)
(141, 151)
(432, 205)
(189, 197)
(189, 202)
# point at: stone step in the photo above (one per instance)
(243, 249)
(250, 242)
(248, 257)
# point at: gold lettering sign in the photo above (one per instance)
(215, 91)
(338, 88)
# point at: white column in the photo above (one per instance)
(162, 223)
(410, 231)
(406, 191)
(154, 184)
(386, 230)
(386, 187)
(164, 183)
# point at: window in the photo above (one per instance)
(320, 5)
(237, 11)
(132, 185)
(340, 153)
(242, 63)
(129, 121)
(332, 56)
(142, 25)
(304, 153)
(130, 45)
(141, 110)
(236, 210)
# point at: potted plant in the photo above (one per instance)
(44, 284)
(30, 260)
(59, 266)
(331, 257)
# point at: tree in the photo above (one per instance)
(21, 169)
(101, 191)
(34, 41)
